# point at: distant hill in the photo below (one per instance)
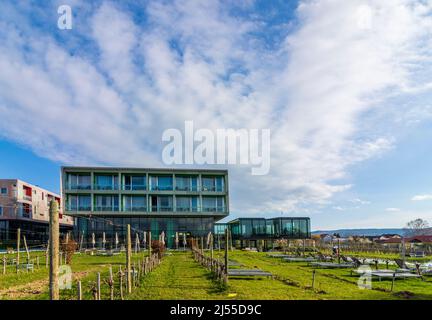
(361, 232)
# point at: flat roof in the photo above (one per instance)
(267, 219)
(71, 168)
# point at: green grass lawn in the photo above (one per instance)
(180, 277)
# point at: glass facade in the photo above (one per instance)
(260, 228)
(219, 228)
(191, 227)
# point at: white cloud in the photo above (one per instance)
(422, 197)
(194, 60)
(392, 209)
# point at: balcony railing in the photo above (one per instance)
(79, 208)
(134, 187)
(161, 188)
(213, 209)
(27, 198)
(186, 188)
(212, 189)
(105, 187)
(187, 209)
(135, 209)
(162, 208)
(79, 187)
(106, 208)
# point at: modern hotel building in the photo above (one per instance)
(105, 200)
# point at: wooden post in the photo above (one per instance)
(98, 288)
(54, 250)
(47, 255)
(111, 283)
(81, 241)
(121, 282)
(128, 259)
(393, 281)
(37, 262)
(4, 264)
(211, 251)
(26, 249)
(226, 252)
(79, 291)
(202, 245)
(18, 249)
(313, 278)
(149, 244)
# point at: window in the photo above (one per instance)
(134, 203)
(213, 184)
(186, 204)
(134, 183)
(107, 203)
(78, 181)
(161, 203)
(186, 183)
(79, 203)
(161, 182)
(106, 182)
(213, 204)
(3, 191)
(1, 211)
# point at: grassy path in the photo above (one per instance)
(179, 277)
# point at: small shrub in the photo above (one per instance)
(158, 247)
(69, 250)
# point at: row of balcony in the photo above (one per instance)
(144, 209)
(144, 188)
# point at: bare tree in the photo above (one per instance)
(417, 227)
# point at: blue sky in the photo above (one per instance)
(343, 86)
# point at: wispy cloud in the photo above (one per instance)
(392, 209)
(422, 197)
(186, 60)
